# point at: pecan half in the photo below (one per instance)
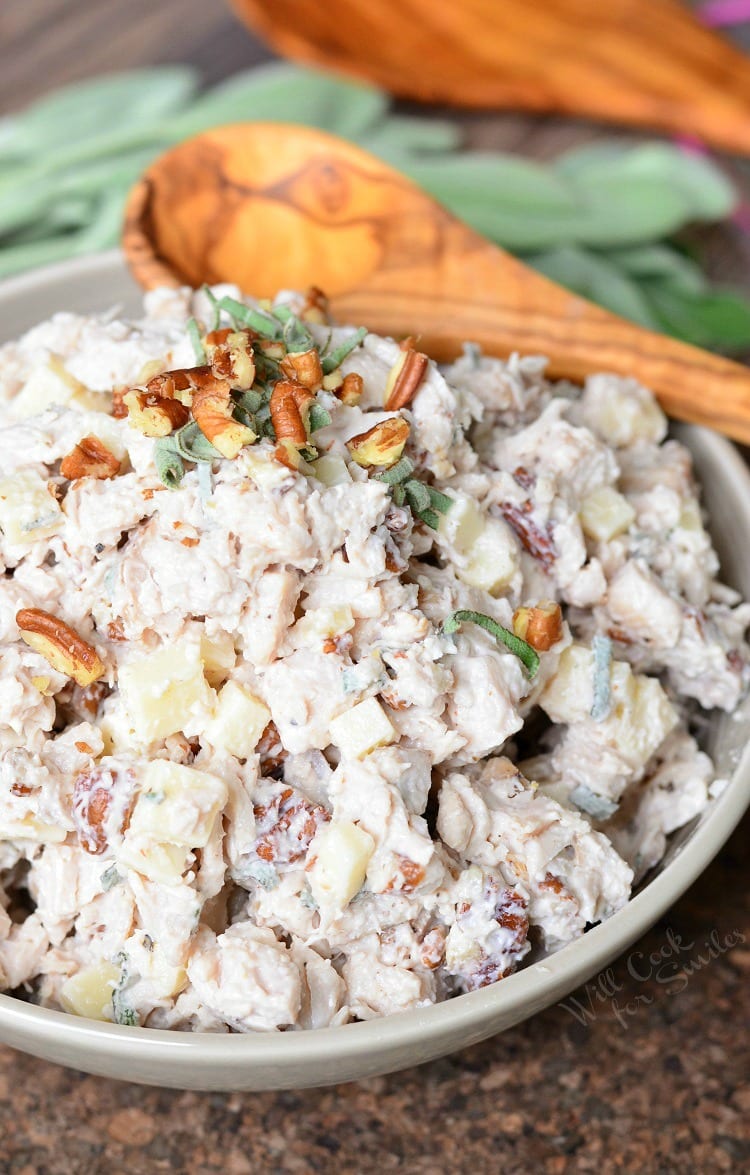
(405, 377)
(60, 645)
(90, 458)
(212, 412)
(540, 626)
(381, 445)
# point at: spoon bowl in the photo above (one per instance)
(269, 206)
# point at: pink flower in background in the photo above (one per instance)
(722, 13)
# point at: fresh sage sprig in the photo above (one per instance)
(602, 220)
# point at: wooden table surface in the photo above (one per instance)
(645, 1072)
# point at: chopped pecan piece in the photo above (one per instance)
(538, 542)
(315, 307)
(406, 375)
(304, 367)
(290, 404)
(90, 458)
(381, 445)
(540, 626)
(351, 388)
(271, 751)
(93, 793)
(432, 948)
(60, 645)
(230, 353)
(408, 876)
(153, 415)
(212, 412)
(287, 826)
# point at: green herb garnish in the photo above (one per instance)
(263, 324)
(109, 878)
(423, 500)
(190, 443)
(168, 463)
(336, 357)
(319, 417)
(194, 332)
(215, 307)
(296, 336)
(503, 636)
(397, 473)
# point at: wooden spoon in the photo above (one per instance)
(272, 207)
(643, 62)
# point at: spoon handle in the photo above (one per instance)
(479, 293)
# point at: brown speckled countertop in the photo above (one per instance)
(654, 1080)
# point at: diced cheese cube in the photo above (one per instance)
(319, 623)
(28, 511)
(178, 805)
(360, 730)
(606, 513)
(29, 828)
(166, 692)
(238, 722)
(47, 384)
(163, 863)
(89, 993)
(338, 856)
(218, 656)
(331, 470)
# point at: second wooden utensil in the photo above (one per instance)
(271, 206)
(647, 63)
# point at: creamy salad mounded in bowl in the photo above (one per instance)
(333, 683)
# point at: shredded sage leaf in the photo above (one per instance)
(190, 443)
(599, 807)
(263, 324)
(397, 473)
(336, 357)
(320, 417)
(215, 307)
(296, 336)
(168, 463)
(110, 878)
(504, 636)
(194, 332)
(425, 501)
(601, 646)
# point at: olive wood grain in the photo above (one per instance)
(271, 207)
(647, 63)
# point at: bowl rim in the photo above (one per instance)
(533, 987)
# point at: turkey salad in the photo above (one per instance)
(333, 683)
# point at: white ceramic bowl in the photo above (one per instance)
(296, 1059)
